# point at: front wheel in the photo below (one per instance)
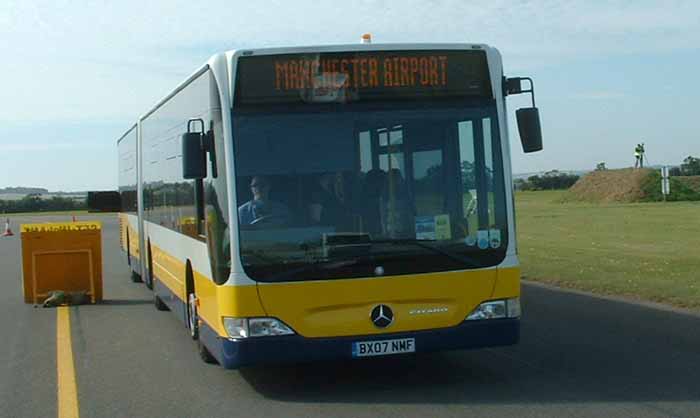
(192, 318)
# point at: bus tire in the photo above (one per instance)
(128, 249)
(192, 314)
(204, 354)
(192, 317)
(149, 275)
(159, 304)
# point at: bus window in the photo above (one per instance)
(428, 178)
(468, 177)
(365, 151)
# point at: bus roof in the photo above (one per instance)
(353, 47)
(228, 55)
(128, 131)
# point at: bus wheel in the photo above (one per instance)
(149, 275)
(128, 249)
(204, 353)
(158, 302)
(192, 317)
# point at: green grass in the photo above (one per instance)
(647, 251)
(682, 188)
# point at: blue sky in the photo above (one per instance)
(607, 74)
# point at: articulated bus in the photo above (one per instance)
(311, 203)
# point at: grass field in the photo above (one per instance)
(648, 251)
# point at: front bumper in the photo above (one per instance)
(295, 348)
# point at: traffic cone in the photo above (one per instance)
(8, 231)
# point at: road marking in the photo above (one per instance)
(67, 388)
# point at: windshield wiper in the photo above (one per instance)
(423, 243)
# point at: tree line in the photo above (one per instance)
(551, 180)
(689, 167)
(34, 203)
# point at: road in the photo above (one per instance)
(580, 356)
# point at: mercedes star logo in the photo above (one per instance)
(382, 316)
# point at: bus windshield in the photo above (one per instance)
(360, 188)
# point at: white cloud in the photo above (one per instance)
(92, 60)
(110, 61)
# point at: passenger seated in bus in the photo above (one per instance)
(396, 216)
(326, 208)
(372, 190)
(260, 209)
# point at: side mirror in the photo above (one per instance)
(529, 129)
(194, 162)
(528, 117)
(194, 152)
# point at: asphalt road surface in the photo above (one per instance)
(579, 356)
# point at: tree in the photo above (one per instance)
(600, 166)
(551, 180)
(31, 203)
(691, 166)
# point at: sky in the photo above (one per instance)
(608, 75)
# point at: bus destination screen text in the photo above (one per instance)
(295, 74)
(361, 76)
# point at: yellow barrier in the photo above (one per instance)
(62, 256)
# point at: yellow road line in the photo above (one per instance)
(67, 388)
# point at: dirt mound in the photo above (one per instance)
(609, 186)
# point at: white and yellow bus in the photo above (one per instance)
(296, 204)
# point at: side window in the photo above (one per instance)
(171, 200)
(127, 172)
(216, 222)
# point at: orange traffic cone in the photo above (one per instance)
(8, 231)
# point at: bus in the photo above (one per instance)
(129, 226)
(330, 202)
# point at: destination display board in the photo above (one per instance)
(361, 76)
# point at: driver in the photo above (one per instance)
(261, 207)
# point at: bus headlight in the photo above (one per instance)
(237, 328)
(497, 309)
(264, 327)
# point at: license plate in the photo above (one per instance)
(383, 347)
